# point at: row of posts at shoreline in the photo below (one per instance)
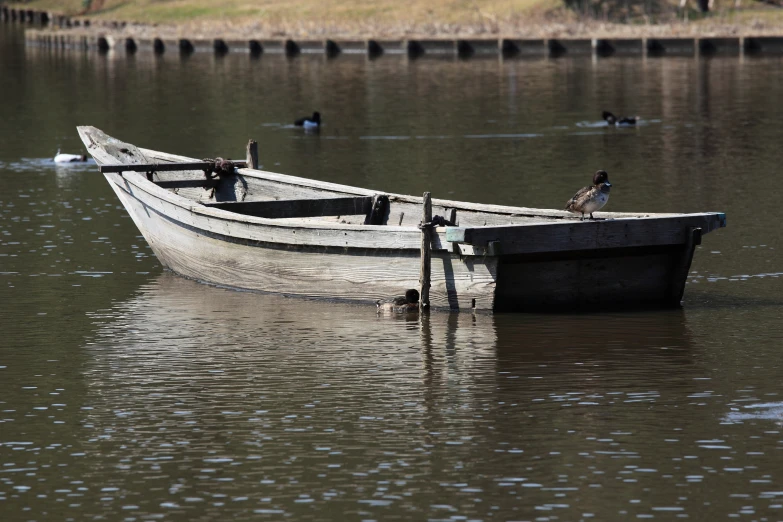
(440, 47)
(104, 36)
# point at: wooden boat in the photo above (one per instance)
(257, 230)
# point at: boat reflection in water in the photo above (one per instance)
(247, 394)
(222, 349)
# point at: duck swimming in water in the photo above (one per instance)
(592, 198)
(625, 121)
(69, 158)
(312, 122)
(407, 303)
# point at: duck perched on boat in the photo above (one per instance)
(309, 122)
(69, 158)
(625, 121)
(591, 198)
(407, 303)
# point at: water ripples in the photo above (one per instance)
(131, 393)
(251, 405)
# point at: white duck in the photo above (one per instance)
(69, 158)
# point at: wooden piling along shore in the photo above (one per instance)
(66, 32)
(414, 48)
(69, 32)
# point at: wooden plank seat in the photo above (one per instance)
(212, 169)
(169, 167)
(188, 183)
(370, 206)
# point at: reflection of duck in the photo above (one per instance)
(402, 304)
(625, 121)
(69, 158)
(313, 122)
(590, 199)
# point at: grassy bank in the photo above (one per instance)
(432, 17)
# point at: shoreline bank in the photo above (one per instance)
(547, 40)
(532, 27)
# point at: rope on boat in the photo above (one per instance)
(437, 221)
(220, 167)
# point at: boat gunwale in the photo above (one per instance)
(556, 216)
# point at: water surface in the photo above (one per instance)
(128, 393)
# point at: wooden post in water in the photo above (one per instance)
(426, 241)
(252, 154)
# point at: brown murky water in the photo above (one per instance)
(128, 393)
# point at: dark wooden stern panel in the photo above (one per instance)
(588, 281)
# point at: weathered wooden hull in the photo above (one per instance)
(498, 258)
(196, 248)
(614, 279)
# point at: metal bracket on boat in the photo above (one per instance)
(462, 243)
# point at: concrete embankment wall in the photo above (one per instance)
(463, 48)
(68, 33)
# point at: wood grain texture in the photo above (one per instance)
(495, 214)
(162, 167)
(291, 208)
(586, 235)
(292, 232)
(363, 275)
(264, 185)
(426, 262)
(252, 154)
